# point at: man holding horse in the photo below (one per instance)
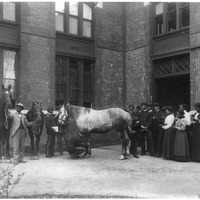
(18, 132)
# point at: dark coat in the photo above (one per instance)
(50, 122)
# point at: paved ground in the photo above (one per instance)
(103, 175)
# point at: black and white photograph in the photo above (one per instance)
(99, 100)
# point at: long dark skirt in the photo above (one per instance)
(181, 146)
(196, 143)
(168, 143)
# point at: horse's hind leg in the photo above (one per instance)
(125, 143)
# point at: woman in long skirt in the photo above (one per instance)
(168, 140)
(196, 135)
(181, 146)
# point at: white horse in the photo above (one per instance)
(99, 121)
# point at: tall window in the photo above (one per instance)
(9, 11)
(9, 70)
(74, 81)
(159, 18)
(170, 17)
(87, 20)
(184, 14)
(74, 18)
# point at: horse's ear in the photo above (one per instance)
(3, 87)
(9, 87)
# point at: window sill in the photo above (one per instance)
(8, 23)
(73, 37)
(172, 33)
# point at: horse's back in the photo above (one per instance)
(102, 120)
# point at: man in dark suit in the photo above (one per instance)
(18, 132)
(51, 124)
(145, 136)
(135, 127)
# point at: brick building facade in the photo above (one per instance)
(119, 60)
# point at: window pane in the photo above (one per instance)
(87, 12)
(9, 11)
(183, 4)
(73, 25)
(171, 21)
(185, 17)
(171, 7)
(9, 64)
(73, 8)
(59, 22)
(159, 8)
(159, 25)
(87, 28)
(60, 6)
(9, 72)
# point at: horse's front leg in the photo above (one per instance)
(88, 151)
(32, 142)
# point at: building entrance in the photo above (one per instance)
(173, 91)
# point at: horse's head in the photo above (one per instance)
(37, 111)
(63, 115)
(6, 95)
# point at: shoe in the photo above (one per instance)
(136, 156)
(157, 156)
(122, 157)
(60, 154)
(49, 156)
(22, 161)
(142, 154)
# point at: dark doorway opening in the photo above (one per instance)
(173, 90)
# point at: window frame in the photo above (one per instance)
(80, 89)
(80, 20)
(17, 17)
(165, 21)
(16, 66)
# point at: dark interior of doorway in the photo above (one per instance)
(173, 91)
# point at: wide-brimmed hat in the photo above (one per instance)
(20, 105)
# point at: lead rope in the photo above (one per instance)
(35, 127)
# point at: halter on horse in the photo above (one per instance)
(5, 102)
(35, 114)
(99, 121)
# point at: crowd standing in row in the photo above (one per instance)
(165, 133)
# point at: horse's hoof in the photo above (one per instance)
(122, 157)
(86, 155)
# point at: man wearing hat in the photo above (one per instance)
(51, 132)
(18, 132)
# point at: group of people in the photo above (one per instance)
(166, 133)
(161, 132)
(19, 131)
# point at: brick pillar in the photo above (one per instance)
(195, 52)
(139, 68)
(37, 64)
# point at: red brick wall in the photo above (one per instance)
(37, 64)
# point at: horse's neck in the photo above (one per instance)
(30, 115)
(2, 109)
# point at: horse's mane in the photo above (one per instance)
(74, 111)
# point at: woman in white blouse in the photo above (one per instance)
(168, 141)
